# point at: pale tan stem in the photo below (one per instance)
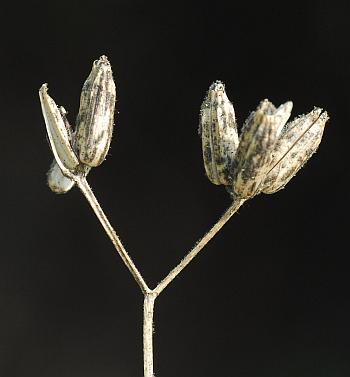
(199, 246)
(150, 295)
(148, 310)
(89, 195)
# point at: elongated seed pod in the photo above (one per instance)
(297, 143)
(59, 135)
(96, 114)
(254, 152)
(57, 182)
(218, 130)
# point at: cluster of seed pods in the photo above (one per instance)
(77, 151)
(268, 152)
(266, 155)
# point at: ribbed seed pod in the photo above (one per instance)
(253, 156)
(57, 182)
(96, 114)
(58, 132)
(296, 144)
(218, 130)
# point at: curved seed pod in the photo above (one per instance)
(297, 143)
(58, 133)
(218, 130)
(57, 182)
(96, 114)
(253, 156)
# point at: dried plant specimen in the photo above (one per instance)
(264, 158)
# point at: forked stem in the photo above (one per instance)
(89, 195)
(150, 295)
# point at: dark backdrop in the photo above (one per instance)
(269, 296)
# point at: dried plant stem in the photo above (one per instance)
(199, 245)
(89, 195)
(150, 295)
(148, 309)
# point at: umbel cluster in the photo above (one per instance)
(266, 155)
(76, 152)
(269, 151)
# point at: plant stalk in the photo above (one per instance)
(148, 310)
(89, 195)
(236, 204)
(150, 295)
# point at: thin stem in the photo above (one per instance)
(148, 310)
(199, 246)
(150, 295)
(89, 195)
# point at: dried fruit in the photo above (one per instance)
(96, 114)
(218, 130)
(58, 132)
(296, 144)
(253, 156)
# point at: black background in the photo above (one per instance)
(269, 296)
